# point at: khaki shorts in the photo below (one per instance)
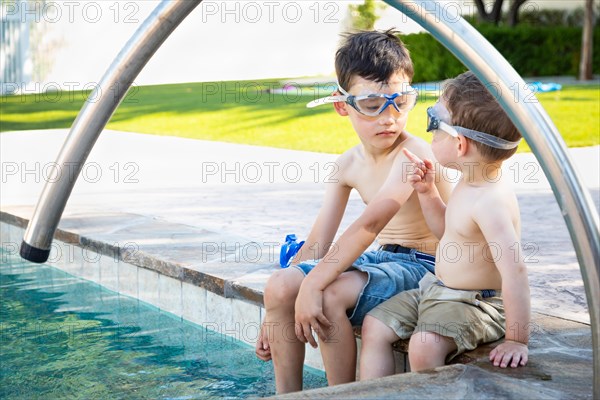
(463, 315)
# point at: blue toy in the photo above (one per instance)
(289, 250)
(544, 87)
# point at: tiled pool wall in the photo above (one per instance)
(232, 317)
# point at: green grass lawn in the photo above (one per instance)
(242, 112)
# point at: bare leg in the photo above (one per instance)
(376, 354)
(286, 350)
(427, 350)
(339, 351)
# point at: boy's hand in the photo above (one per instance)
(263, 350)
(423, 175)
(309, 316)
(502, 355)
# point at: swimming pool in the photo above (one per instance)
(61, 336)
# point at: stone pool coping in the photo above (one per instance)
(218, 263)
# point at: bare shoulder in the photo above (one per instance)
(417, 146)
(499, 192)
(499, 197)
(346, 158)
(345, 162)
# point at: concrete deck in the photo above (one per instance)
(212, 215)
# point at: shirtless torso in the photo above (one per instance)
(368, 176)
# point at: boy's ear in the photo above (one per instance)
(462, 145)
(340, 107)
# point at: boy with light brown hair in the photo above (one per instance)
(480, 290)
(330, 287)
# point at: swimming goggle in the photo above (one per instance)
(372, 104)
(436, 116)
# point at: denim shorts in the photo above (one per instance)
(387, 274)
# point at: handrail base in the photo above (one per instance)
(33, 254)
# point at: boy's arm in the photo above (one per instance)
(326, 224)
(350, 245)
(422, 179)
(321, 234)
(495, 221)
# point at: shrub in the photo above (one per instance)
(432, 61)
(532, 51)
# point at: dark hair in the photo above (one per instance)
(373, 55)
(472, 106)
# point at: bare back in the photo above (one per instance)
(465, 258)
(368, 177)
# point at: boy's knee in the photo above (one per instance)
(370, 329)
(333, 302)
(343, 294)
(417, 343)
(418, 356)
(375, 331)
(427, 350)
(281, 289)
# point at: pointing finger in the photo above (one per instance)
(412, 157)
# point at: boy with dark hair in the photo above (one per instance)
(479, 291)
(330, 287)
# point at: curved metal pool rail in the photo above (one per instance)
(448, 28)
(575, 202)
(93, 117)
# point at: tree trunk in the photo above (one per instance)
(585, 64)
(492, 16)
(513, 13)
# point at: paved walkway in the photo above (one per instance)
(262, 194)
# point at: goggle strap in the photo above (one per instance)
(481, 137)
(487, 139)
(330, 99)
(341, 89)
(326, 100)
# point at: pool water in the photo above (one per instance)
(62, 337)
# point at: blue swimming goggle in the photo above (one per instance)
(373, 104)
